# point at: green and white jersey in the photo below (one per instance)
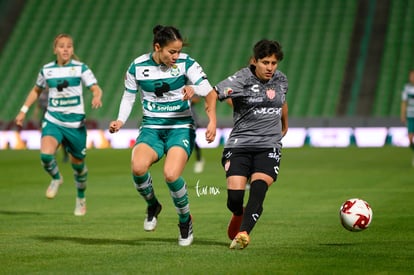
(161, 88)
(408, 96)
(65, 101)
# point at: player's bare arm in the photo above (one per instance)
(285, 124)
(31, 98)
(210, 107)
(97, 96)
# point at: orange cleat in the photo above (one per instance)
(241, 240)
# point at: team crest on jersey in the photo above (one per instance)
(175, 70)
(72, 71)
(271, 93)
(228, 91)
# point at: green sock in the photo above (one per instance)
(143, 184)
(50, 165)
(80, 176)
(80, 193)
(178, 192)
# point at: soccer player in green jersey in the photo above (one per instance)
(166, 79)
(64, 119)
(407, 109)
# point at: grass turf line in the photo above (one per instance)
(299, 231)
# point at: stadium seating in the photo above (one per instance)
(109, 34)
(397, 60)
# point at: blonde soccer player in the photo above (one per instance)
(64, 120)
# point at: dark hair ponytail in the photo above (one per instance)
(165, 34)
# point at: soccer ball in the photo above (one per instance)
(355, 215)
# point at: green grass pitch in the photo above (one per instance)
(298, 233)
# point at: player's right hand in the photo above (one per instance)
(19, 119)
(115, 125)
(211, 132)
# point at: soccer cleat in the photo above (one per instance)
(186, 233)
(80, 208)
(234, 226)
(150, 221)
(241, 240)
(199, 166)
(53, 187)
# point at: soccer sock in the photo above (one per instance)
(254, 207)
(178, 191)
(412, 146)
(143, 184)
(235, 201)
(50, 165)
(80, 176)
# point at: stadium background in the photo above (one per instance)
(346, 61)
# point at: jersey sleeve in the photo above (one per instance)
(195, 73)
(131, 84)
(404, 95)
(41, 80)
(231, 84)
(196, 76)
(283, 82)
(88, 78)
(126, 106)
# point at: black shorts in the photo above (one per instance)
(246, 161)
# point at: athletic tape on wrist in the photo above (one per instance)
(24, 109)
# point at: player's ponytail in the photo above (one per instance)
(166, 34)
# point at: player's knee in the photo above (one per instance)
(168, 177)
(258, 187)
(235, 201)
(139, 168)
(171, 175)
